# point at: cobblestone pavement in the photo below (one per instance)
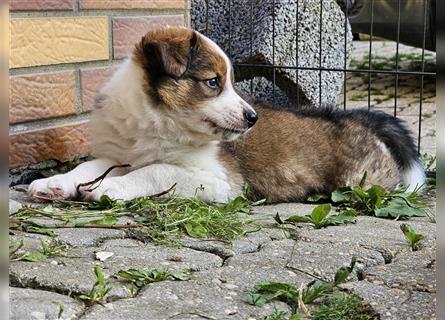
(396, 282)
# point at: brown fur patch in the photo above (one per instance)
(301, 155)
(176, 62)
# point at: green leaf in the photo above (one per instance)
(195, 230)
(342, 274)
(314, 290)
(317, 197)
(83, 297)
(182, 276)
(105, 202)
(110, 220)
(297, 316)
(375, 194)
(349, 212)
(30, 257)
(99, 275)
(340, 219)
(255, 299)
(142, 277)
(272, 290)
(398, 208)
(127, 275)
(49, 209)
(411, 236)
(47, 232)
(298, 219)
(320, 213)
(341, 195)
(359, 192)
(239, 204)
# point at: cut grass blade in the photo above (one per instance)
(157, 219)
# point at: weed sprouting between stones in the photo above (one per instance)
(99, 290)
(49, 249)
(342, 306)
(412, 236)
(334, 304)
(139, 278)
(321, 217)
(142, 277)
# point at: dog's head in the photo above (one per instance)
(189, 76)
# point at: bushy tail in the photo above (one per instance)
(397, 138)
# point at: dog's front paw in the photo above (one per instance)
(109, 187)
(60, 186)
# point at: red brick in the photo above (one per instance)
(132, 4)
(127, 31)
(41, 96)
(91, 80)
(35, 5)
(58, 143)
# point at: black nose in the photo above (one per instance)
(250, 117)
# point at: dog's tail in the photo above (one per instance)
(394, 134)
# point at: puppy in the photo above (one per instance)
(171, 111)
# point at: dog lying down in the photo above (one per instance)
(172, 113)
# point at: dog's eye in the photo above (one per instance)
(212, 83)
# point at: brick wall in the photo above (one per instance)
(61, 51)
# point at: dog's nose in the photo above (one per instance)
(250, 116)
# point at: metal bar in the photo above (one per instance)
(207, 17)
(230, 29)
(320, 52)
(396, 89)
(400, 72)
(296, 53)
(346, 50)
(251, 44)
(370, 54)
(425, 12)
(273, 49)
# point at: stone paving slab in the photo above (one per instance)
(396, 303)
(40, 305)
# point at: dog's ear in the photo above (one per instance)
(169, 56)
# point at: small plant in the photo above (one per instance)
(320, 217)
(53, 249)
(99, 289)
(14, 254)
(427, 161)
(376, 201)
(412, 237)
(142, 277)
(342, 306)
(282, 315)
(297, 297)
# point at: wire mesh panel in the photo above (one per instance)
(375, 54)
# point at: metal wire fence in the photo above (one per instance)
(369, 70)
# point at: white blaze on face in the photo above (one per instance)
(227, 109)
